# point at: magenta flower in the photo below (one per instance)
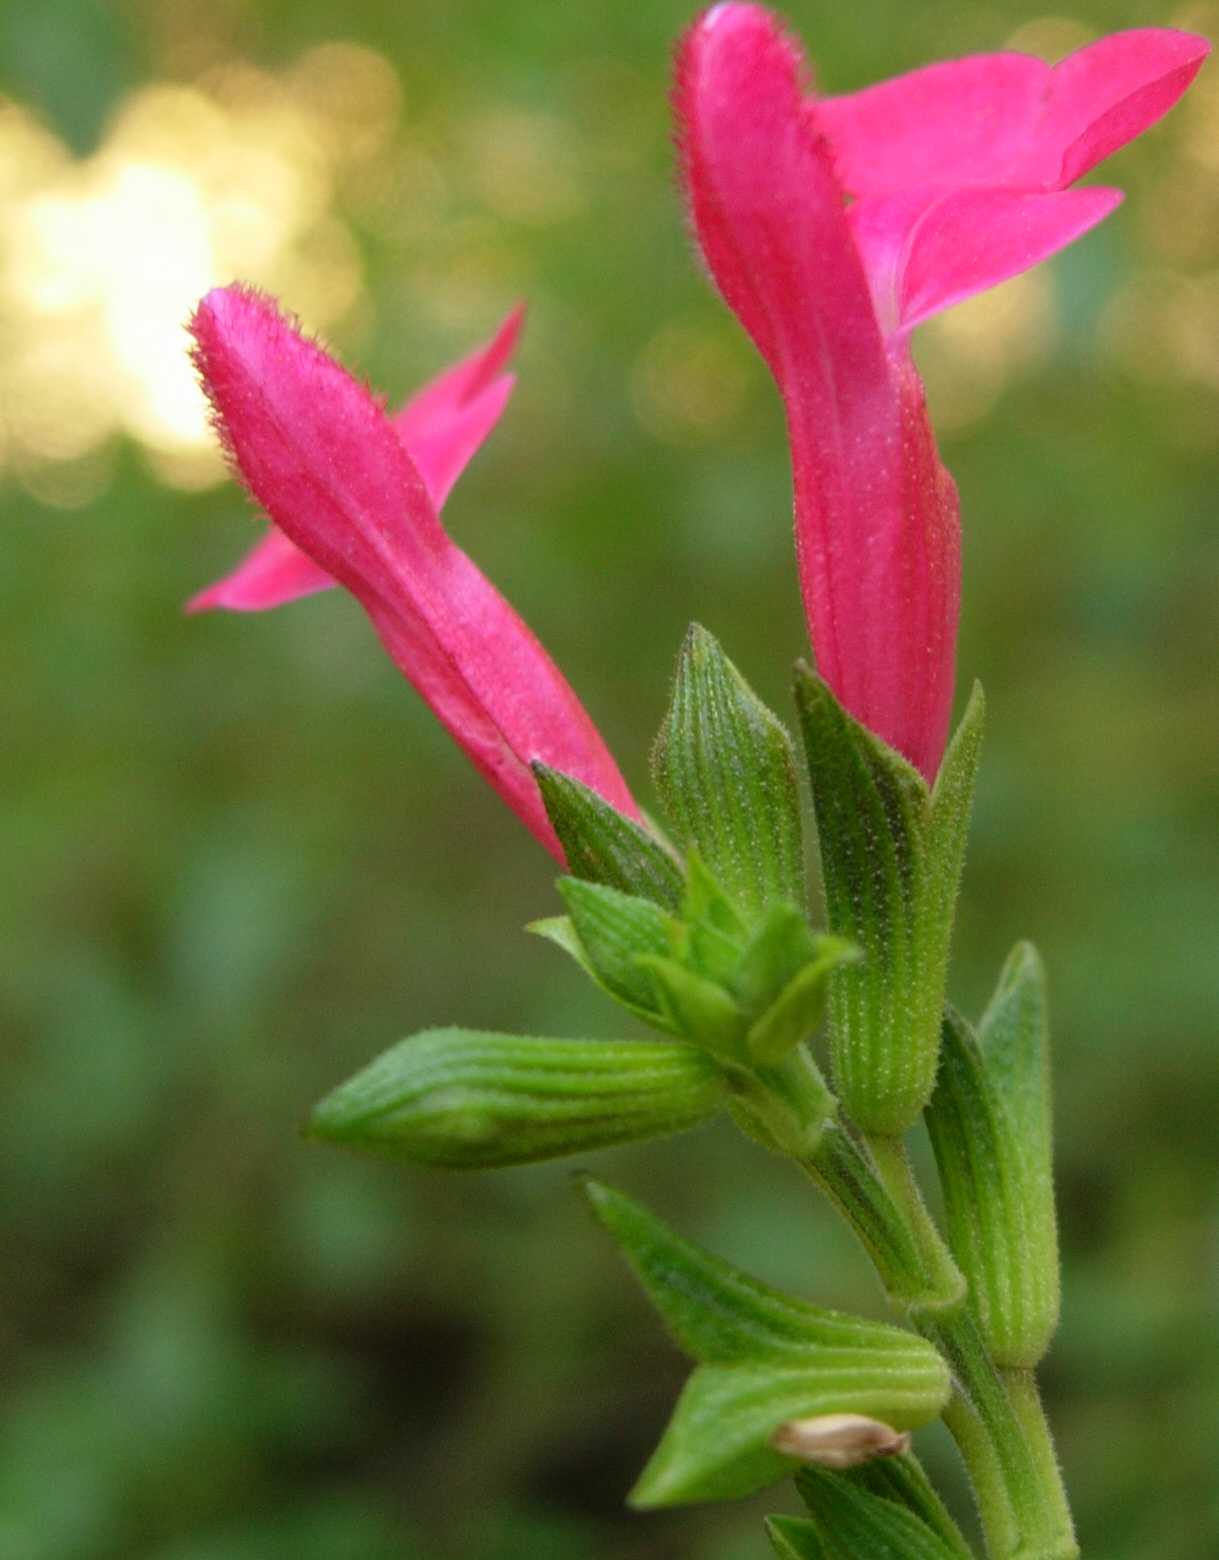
(833, 226)
(352, 506)
(442, 426)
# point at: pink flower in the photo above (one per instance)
(352, 506)
(833, 226)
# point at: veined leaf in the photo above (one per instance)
(856, 1524)
(766, 1358)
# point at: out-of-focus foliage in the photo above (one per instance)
(239, 859)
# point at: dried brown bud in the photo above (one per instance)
(839, 1440)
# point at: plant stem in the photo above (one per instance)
(997, 1422)
(985, 1474)
(897, 1175)
(1026, 1401)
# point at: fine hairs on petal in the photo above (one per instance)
(316, 450)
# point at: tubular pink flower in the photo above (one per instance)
(832, 227)
(330, 468)
(442, 426)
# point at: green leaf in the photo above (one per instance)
(602, 845)
(725, 769)
(614, 929)
(467, 1099)
(855, 1524)
(795, 1538)
(766, 1358)
(891, 857)
(695, 1007)
(902, 1480)
(989, 1123)
(798, 1009)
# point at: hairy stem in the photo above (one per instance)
(996, 1421)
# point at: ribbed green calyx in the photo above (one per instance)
(467, 1099)
(726, 771)
(764, 1358)
(748, 990)
(602, 845)
(852, 1522)
(990, 1128)
(900, 1479)
(891, 851)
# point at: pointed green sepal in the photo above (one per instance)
(602, 845)
(855, 1524)
(780, 946)
(613, 930)
(765, 1358)
(560, 930)
(902, 1480)
(725, 769)
(989, 1124)
(795, 1538)
(797, 1010)
(466, 1099)
(713, 933)
(695, 1007)
(891, 856)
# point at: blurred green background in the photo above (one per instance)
(239, 858)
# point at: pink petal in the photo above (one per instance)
(443, 426)
(271, 573)
(876, 517)
(322, 459)
(443, 444)
(926, 251)
(993, 119)
(968, 121)
(1103, 96)
(459, 384)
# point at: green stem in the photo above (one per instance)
(846, 1175)
(1008, 1455)
(1020, 1503)
(1026, 1401)
(897, 1175)
(985, 1473)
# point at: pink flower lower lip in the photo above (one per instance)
(351, 506)
(959, 176)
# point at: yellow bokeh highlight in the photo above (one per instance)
(102, 259)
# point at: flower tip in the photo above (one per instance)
(206, 600)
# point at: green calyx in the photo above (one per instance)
(470, 1100)
(989, 1124)
(891, 852)
(726, 771)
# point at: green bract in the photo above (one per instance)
(891, 856)
(850, 1522)
(990, 1127)
(764, 1358)
(604, 846)
(725, 768)
(470, 1100)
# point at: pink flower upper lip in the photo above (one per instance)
(330, 468)
(442, 426)
(833, 226)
